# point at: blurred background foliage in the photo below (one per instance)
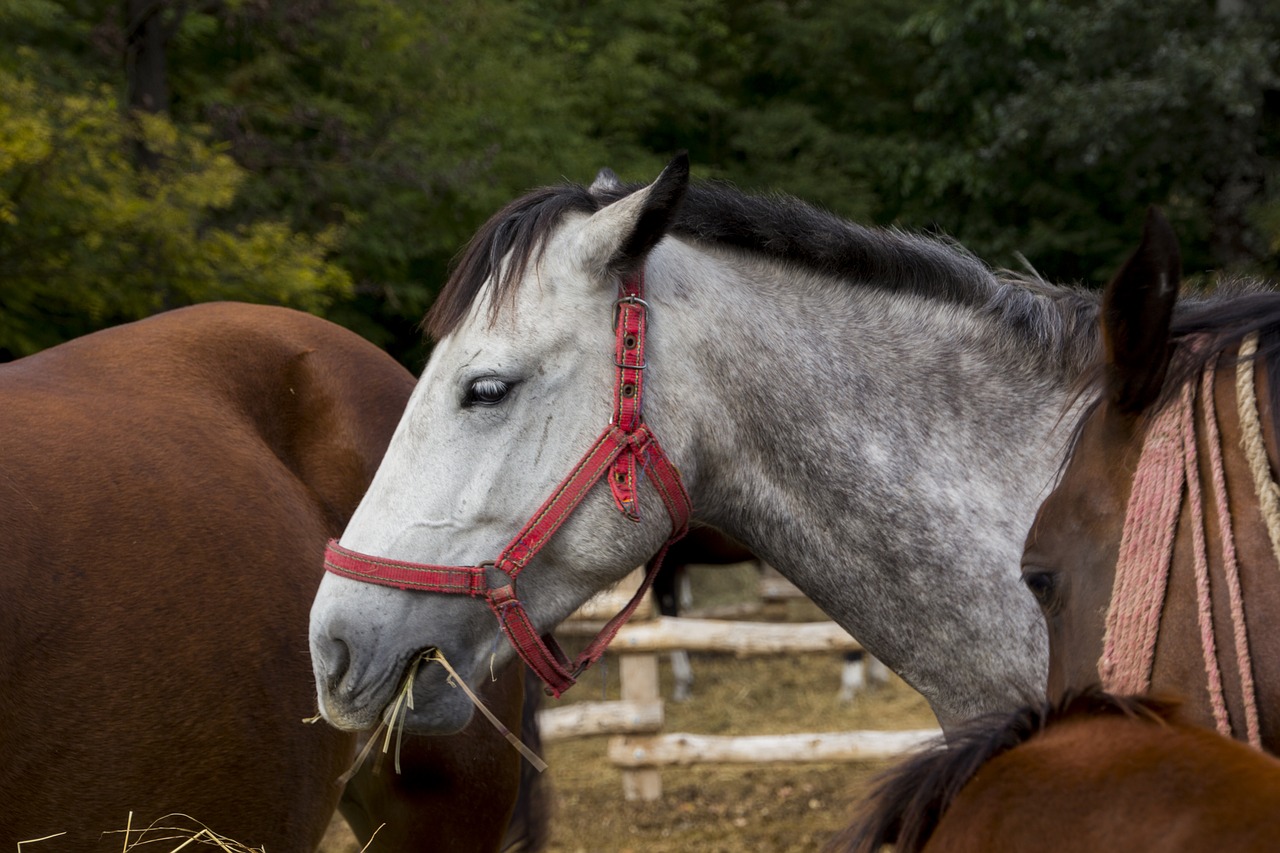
(334, 155)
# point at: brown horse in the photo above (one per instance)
(1192, 608)
(1091, 772)
(166, 491)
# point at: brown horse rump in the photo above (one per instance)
(166, 490)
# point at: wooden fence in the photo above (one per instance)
(640, 747)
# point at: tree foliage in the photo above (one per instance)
(87, 240)
(1058, 122)
(336, 154)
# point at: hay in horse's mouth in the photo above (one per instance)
(394, 714)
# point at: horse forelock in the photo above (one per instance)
(908, 801)
(502, 250)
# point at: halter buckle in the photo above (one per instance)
(630, 300)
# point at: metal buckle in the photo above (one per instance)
(631, 300)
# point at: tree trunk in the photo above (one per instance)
(147, 36)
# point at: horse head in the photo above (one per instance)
(524, 379)
(1142, 557)
(1072, 547)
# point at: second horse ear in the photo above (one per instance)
(618, 237)
(1137, 309)
(606, 182)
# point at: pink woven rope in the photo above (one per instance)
(1169, 461)
(1204, 601)
(1146, 551)
(1230, 566)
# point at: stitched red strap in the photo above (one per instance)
(557, 508)
(625, 450)
(628, 355)
(380, 570)
(541, 654)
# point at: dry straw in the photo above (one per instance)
(38, 840)
(393, 717)
(160, 832)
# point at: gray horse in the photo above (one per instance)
(875, 414)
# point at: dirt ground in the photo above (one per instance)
(781, 807)
(708, 809)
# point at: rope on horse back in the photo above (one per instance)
(1168, 463)
(1255, 449)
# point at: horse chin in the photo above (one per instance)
(439, 707)
(443, 717)
(436, 707)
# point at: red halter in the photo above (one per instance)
(626, 446)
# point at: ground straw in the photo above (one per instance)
(38, 840)
(185, 836)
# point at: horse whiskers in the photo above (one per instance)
(393, 716)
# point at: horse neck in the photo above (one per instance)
(885, 452)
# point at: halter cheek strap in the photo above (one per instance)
(624, 451)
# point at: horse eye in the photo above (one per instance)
(486, 392)
(1044, 586)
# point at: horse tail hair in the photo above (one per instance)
(908, 801)
(528, 831)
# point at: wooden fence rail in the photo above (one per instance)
(641, 748)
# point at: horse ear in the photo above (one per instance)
(618, 237)
(606, 181)
(1137, 309)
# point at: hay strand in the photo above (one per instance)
(371, 837)
(394, 715)
(37, 840)
(184, 835)
(456, 680)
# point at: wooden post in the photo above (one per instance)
(639, 674)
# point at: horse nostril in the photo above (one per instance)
(336, 661)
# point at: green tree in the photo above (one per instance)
(405, 124)
(1047, 127)
(87, 239)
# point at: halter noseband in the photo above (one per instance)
(624, 448)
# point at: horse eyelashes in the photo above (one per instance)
(486, 392)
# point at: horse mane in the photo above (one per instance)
(1203, 328)
(788, 231)
(1208, 328)
(909, 800)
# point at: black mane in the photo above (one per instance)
(1204, 330)
(775, 226)
(909, 800)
